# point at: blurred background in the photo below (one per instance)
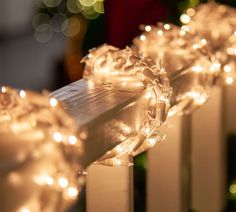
(43, 41)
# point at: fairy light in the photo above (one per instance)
(191, 12)
(57, 136)
(3, 89)
(227, 69)
(133, 72)
(117, 162)
(72, 192)
(22, 94)
(231, 51)
(25, 210)
(142, 37)
(215, 67)
(53, 102)
(185, 28)
(197, 69)
(199, 98)
(34, 118)
(166, 26)
(152, 141)
(229, 80)
(185, 19)
(160, 32)
(63, 182)
(148, 28)
(72, 140)
(49, 180)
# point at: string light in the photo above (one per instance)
(22, 94)
(32, 122)
(134, 72)
(219, 33)
(57, 137)
(29, 120)
(190, 59)
(53, 102)
(72, 139)
(229, 80)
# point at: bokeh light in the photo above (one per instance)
(40, 18)
(87, 3)
(71, 27)
(43, 33)
(74, 6)
(57, 21)
(52, 3)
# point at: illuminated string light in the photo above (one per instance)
(25, 210)
(142, 37)
(152, 141)
(148, 28)
(160, 32)
(185, 19)
(166, 26)
(229, 80)
(22, 94)
(227, 68)
(134, 72)
(219, 33)
(3, 89)
(57, 137)
(32, 118)
(63, 182)
(72, 140)
(53, 102)
(72, 192)
(176, 45)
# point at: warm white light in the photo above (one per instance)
(72, 192)
(199, 98)
(148, 28)
(72, 139)
(152, 141)
(203, 42)
(49, 180)
(227, 68)
(215, 67)
(53, 102)
(166, 26)
(185, 28)
(229, 80)
(25, 210)
(231, 51)
(63, 182)
(160, 32)
(57, 137)
(117, 162)
(147, 130)
(119, 149)
(148, 95)
(191, 12)
(22, 94)
(142, 37)
(182, 32)
(3, 89)
(185, 19)
(197, 69)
